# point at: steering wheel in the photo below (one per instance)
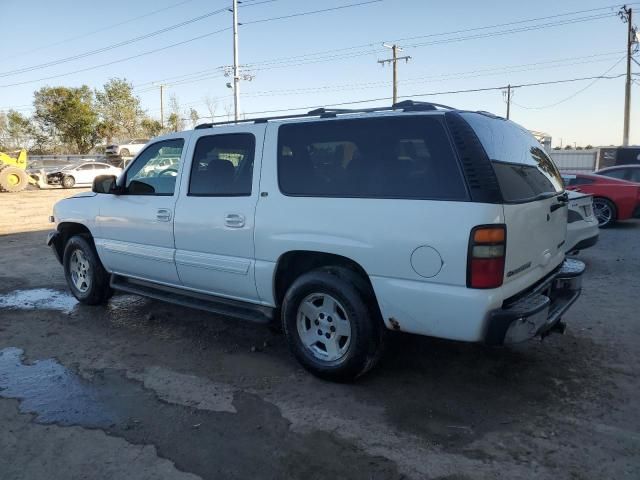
(169, 171)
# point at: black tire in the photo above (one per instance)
(605, 203)
(98, 290)
(68, 181)
(13, 179)
(124, 152)
(367, 331)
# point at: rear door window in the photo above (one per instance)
(388, 157)
(223, 165)
(524, 170)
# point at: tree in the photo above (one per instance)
(175, 121)
(568, 147)
(150, 127)
(69, 113)
(193, 115)
(588, 147)
(118, 108)
(557, 148)
(212, 106)
(17, 129)
(579, 147)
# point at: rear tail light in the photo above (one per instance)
(485, 263)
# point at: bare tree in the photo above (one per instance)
(212, 106)
(176, 123)
(228, 108)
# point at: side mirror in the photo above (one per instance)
(104, 184)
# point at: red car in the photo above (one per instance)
(613, 199)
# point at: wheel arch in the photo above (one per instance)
(66, 230)
(292, 264)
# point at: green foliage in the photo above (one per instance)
(568, 147)
(193, 115)
(69, 113)
(17, 129)
(150, 127)
(119, 110)
(588, 147)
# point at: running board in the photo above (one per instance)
(200, 301)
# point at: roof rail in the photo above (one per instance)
(406, 106)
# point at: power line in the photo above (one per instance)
(301, 14)
(177, 44)
(428, 94)
(109, 27)
(485, 27)
(595, 79)
(112, 46)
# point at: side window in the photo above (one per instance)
(223, 165)
(394, 157)
(620, 173)
(155, 169)
(635, 175)
(86, 167)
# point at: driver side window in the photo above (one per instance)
(155, 170)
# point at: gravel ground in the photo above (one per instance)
(141, 389)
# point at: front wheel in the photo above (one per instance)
(605, 211)
(331, 325)
(86, 277)
(68, 181)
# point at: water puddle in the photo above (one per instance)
(255, 442)
(38, 299)
(52, 393)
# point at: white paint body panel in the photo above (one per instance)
(195, 250)
(583, 229)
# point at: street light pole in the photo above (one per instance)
(236, 75)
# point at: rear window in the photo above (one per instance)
(392, 157)
(524, 170)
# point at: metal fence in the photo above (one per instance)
(575, 160)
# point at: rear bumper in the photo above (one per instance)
(538, 311)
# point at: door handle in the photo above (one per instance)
(234, 220)
(163, 215)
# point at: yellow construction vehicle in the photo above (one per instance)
(13, 175)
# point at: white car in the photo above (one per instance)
(81, 174)
(582, 224)
(341, 225)
(127, 149)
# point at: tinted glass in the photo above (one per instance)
(620, 173)
(87, 166)
(223, 165)
(154, 171)
(572, 180)
(392, 157)
(635, 175)
(525, 172)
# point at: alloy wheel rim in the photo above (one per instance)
(602, 212)
(80, 271)
(324, 327)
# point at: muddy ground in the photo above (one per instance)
(140, 389)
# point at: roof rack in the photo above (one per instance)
(405, 106)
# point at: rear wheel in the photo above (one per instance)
(13, 179)
(605, 211)
(68, 181)
(86, 277)
(331, 326)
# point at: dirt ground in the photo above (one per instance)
(140, 389)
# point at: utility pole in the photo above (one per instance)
(508, 100)
(395, 49)
(236, 73)
(626, 15)
(161, 106)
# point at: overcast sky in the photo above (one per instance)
(587, 44)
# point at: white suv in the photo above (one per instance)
(339, 224)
